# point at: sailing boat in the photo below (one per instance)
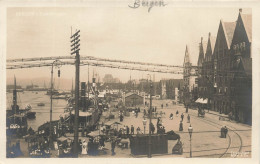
(16, 119)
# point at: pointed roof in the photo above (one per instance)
(212, 40)
(210, 44)
(191, 55)
(187, 55)
(204, 46)
(202, 51)
(131, 93)
(229, 28)
(247, 21)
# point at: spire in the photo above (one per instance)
(201, 52)
(187, 55)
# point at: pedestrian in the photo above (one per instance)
(181, 126)
(102, 142)
(152, 128)
(163, 130)
(120, 133)
(127, 130)
(155, 109)
(188, 118)
(177, 113)
(121, 117)
(138, 130)
(222, 133)
(144, 112)
(158, 122)
(166, 104)
(90, 146)
(225, 131)
(162, 106)
(187, 109)
(132, 129)
(171, 116)
(182, 116)
(124, 129)
(113, 145)
(84, 147)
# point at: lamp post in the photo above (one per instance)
(190, 129)
(56, 63)
(144, 123)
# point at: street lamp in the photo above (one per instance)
(144, 123)
(58, 64)
(150, 121)
(190, 129)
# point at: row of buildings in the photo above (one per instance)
(223, 73)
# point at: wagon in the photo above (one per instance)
(178, 148)
(201, 112)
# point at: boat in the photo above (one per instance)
(16, 119)
(40, 104)
(54, 92)
(60, 97)
(29, 113)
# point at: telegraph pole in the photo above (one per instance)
(150, 121)
(75, 50)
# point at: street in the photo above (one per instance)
(206, 141)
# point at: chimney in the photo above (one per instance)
(209, 34)
(201, 39)
(240, 10)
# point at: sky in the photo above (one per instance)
(159, 36)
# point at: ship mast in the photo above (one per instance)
(15, 97)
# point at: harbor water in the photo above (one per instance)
(42, 112)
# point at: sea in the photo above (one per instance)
(42, 112)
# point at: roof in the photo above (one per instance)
(191, 54)
(203, 48)
(212, 42)
(247, 21)
(229, 28)
(130, 93)
(204, 45)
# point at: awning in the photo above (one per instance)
(112, 122)
(198, 100)
(94, 133)
(202, 101)
(205, 101)
(62, 138)
(82, 114)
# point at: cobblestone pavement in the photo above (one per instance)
(206, 141)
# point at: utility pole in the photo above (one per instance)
(75, 50)
(88, 82)
(150, 121)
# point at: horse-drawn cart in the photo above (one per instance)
(201, 112)
(178, 148)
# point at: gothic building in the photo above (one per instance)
(190, 78)
(241, 69)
